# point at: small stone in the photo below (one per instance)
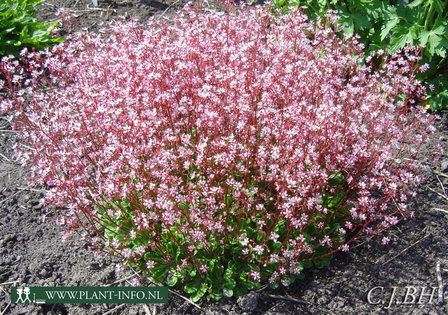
(44, 274)
(133, 311)
(248, 302)
(444, 166)
(338, 303)
(214, 312)
(10, 238)
(323, 300)
(45, 270)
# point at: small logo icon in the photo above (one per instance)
(23, 291)
(27, 291)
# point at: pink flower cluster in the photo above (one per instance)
(217, 119)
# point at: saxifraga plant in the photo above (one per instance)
(224, 151)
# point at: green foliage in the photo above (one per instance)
(19, 27)
(226, 274)
(391, 25)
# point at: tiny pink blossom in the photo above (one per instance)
(255, 275)
(424, 67)
(150, 264)
(258, 249)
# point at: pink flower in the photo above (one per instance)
(424, 67)
(150, 264)
(258, 249)
(255, 275)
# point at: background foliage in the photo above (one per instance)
(391, 25)
(19, 27)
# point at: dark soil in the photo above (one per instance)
(33, 254)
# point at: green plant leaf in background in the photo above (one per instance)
(19, 27)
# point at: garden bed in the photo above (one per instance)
(32, 252)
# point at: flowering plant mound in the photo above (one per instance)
(224, 150)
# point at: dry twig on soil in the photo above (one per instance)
(441, 195)
(286, 298)
(440, 282)
(114, 309)
(152, 311)
(186, 299)
(404, 250)
(440, 174)
(439, 209)
(441, 184)
(120, 280)
(166, 10)
(7, 306)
